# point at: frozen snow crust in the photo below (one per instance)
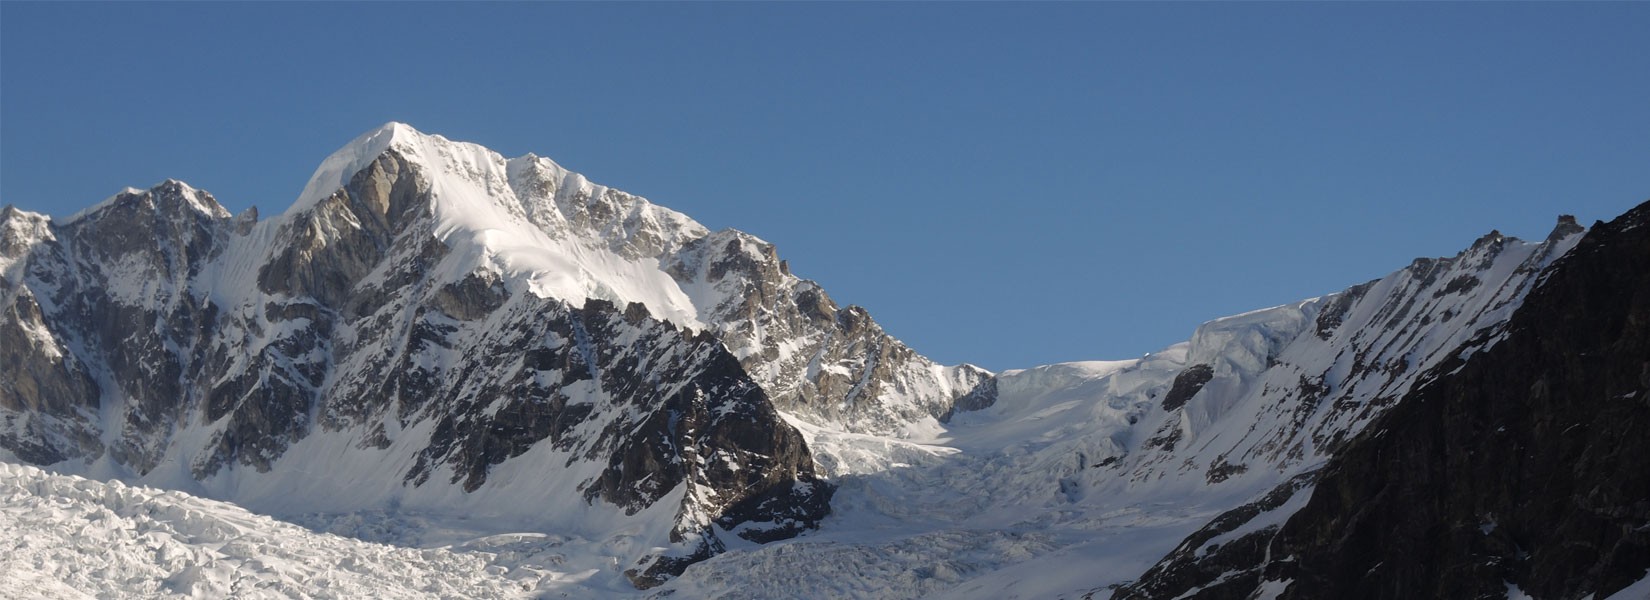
(950, 481)
(69, 537)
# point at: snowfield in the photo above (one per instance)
(63, 536)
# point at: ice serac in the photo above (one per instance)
(69, 538)
(1517, 463)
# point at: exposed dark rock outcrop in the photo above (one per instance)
(1186, 385)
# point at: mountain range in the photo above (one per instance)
(556, 387)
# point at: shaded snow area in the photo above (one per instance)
(1632, 592)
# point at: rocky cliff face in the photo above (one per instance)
(1515, 464)
(90, 322)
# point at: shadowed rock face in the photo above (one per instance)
(37, 375)
(1522, 464)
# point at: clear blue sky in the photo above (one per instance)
(1002, 184)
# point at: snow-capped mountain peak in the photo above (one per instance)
(525, 219)
(337, 169)
(464, 327)
(541, 229)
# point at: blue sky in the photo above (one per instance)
(1002, 184)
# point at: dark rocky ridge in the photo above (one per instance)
(1522, 464)
(103, 335)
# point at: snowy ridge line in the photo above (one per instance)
(1335, 532)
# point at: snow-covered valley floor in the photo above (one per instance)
(63, 536)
